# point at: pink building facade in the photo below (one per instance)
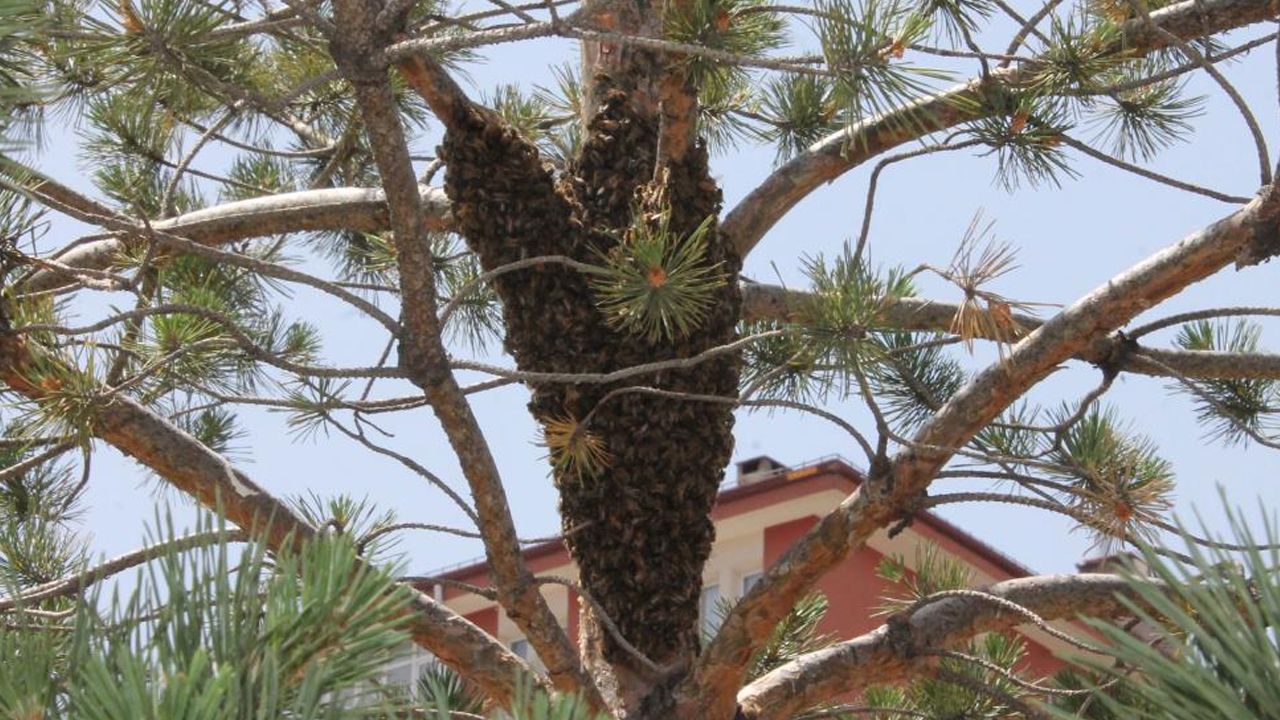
(758, 515)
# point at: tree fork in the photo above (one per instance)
(643, 530)
(357, 50)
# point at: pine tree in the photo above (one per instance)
(581, 228)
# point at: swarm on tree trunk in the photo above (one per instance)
(643, 528)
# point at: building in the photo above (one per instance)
(758, 514)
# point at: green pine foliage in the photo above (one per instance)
(848, 296)
(957, 20)
(224, 631)
(1210, 648)
(444, 691)
(796, 635)
(145, 83)
(932, 571)
(799, 110)
(295, 637)
(916, 377)
(1084, 685)
(444, 695)
(476, 321)
(20, 114)
(986, 692)
(1139, 122)
(985, 682)
(861, 42)
(1014, 435)
(831, 339)
(214, 632)
(253, 176)
(562, 137)
(1230, 410)
(1023, 131)
(1120, 481)
(723, 109)
(354, 518)
(654, 283)
(528, 114)
(745, 28)
(783, 365)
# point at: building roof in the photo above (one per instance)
(809, 476)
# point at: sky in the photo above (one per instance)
(1071, 239)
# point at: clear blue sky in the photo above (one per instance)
(1070, 239)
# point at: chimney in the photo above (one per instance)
(759, 468)
(1114, 564)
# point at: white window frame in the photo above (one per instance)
(708, 605)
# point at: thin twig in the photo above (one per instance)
(1005, 674)
(875, 178)
(480, 280)
(1151, 174)
(240, 337)
(412, 465)
(171, 190)
(75, 583)
(1029, 711)
(736, 402)
(1006, 604)
(1143, 11)
(1211, 313)
(610, 626)
(616, 375)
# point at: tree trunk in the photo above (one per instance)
(642, 528)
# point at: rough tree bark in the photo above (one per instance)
(641, 520)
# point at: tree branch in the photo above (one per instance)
(436, 88)
(198, 471)
(119, 223)
(73, 584)
(358, 209)
(844, 150)
(365, 210)
(234, 332)
(894, 487)
(422, 352)
(890, 653)
(1121, 352)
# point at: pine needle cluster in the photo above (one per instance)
(1206, 647)
(656, 283)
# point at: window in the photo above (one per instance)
(521, 648)
(749, 581)
(401, 675)
(709, 610)
(407, 666)
(410, 662)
